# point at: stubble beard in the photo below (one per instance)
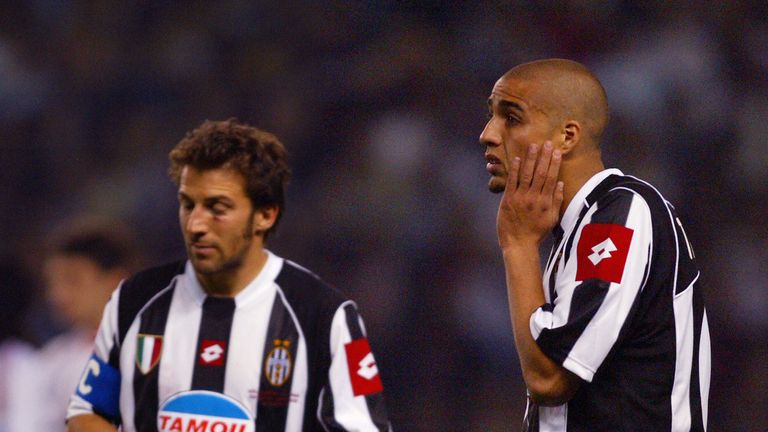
(231, 264)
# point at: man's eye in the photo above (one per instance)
(219, 209)
(512, 119)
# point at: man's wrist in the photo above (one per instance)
(518, 247)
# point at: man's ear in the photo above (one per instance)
(264, 218)
(571, 136)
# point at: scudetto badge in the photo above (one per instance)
(148, 350)
(278, 364)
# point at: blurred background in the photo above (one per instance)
(380, 104)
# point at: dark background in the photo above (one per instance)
(380, 105)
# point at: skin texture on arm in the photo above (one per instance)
(529, 209)
(89, 423)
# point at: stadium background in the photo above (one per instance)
(380, 104)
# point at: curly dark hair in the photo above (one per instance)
(256, 154)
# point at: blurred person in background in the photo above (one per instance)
(16, 290)
(234, 337)
(612, 334)
(87, 260)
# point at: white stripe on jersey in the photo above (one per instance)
(240, 373)
(705, 367)
(299, 385)
(346, 409)
(681, 396)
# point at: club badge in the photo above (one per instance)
(278, 364)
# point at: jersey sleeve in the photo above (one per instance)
(598, 278)
(353, 400)
(98, 391)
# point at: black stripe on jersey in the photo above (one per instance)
(280, 348)
(327, 412)
(376, 407)
(114, 355)
(314, 304)
(136, 291)
(215, 327)
(554, 262)
(697, 417)
(355, 331)
(687, 270)
(572, 234)
(152, 322)
(531, 418)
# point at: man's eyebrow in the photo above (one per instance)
(218, 198)
(506, 104)
(210, 199)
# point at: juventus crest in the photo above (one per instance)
(278, 364)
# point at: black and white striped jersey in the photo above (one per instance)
(287, 353)
(625, 313)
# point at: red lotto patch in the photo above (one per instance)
(602, 252)
(212, 352)
(363, 372)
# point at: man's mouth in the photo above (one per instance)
(202, 248)
(493, 165)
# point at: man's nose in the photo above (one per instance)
(490, 136)
(197, 222)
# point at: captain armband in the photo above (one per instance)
(100, 386)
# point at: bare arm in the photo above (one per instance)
(89, 423)
(529, 209)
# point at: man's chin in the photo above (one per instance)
(203, 266)
(496, 184)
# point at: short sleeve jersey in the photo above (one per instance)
(288, 353)
(624, 312)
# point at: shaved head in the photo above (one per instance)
(566, 90)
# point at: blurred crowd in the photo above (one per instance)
(380, 104)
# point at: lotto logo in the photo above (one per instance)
(368, 368)
(363, 372)
(602, 252)
(212, 353)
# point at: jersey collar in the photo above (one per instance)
(580, 199)
(259, 284)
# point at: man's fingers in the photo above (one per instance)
(557, 199)
(552, 173)
(512, 174)
(542, 166)
(526, 173)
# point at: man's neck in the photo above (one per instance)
(230, 283)
(575, 176)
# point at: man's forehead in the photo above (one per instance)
(215, 181)
(512, 89)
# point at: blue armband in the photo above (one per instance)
(100, 386)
